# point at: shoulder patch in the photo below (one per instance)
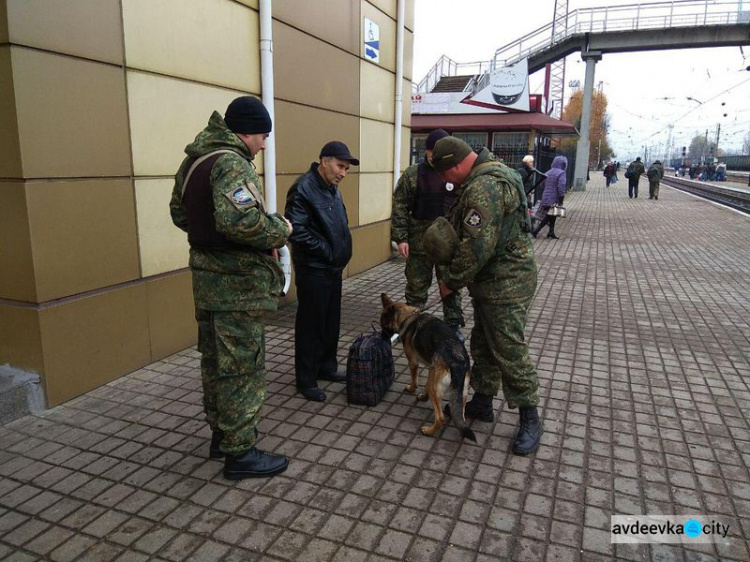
(241, 197)
(473, 219)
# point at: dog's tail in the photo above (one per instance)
(459, 378)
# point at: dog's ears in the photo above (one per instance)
(386, 301)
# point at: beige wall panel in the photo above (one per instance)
(302, 131)
(171, 314)
(3, 22)
(90, 29)
(406, 104)
(163, 246)
(408, 55)
(409, 14)
(375, 197)
(387, 36)
(92, 341)
(405, 148)
(213, 41)
(165, 116)
(372, 246)
(314, 73)
(82, 234)
(337, 23)
(16, 262)
(10, 163)
(376, 141)
(251, 3)
(81, 130)
(20, 339)
(378, 88)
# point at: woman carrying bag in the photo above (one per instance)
(554, 191)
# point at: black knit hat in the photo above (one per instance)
(433, 137)
(247, 115)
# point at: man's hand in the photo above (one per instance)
(403, 249)
(275, 254)
(291, 229)
(444, 290)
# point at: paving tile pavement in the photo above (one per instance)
(640, 333)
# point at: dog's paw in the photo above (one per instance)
(422, 397)
(428, 430)
(411, 389)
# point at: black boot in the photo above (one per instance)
(214, 451)
(254, 464)
(479, 408)
(529, 432)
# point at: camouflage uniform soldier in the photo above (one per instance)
(495, 259)
(420, 197)
(217, 200)
(654, 174)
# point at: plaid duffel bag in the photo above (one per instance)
(369, 369)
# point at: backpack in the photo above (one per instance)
(652, 173)
(369, 369)
(630, 172)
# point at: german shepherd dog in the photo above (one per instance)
(429, 341)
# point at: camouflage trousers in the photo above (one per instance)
(419, 273)
(653, 189)
(501, 355)
(233, 370)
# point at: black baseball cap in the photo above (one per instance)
(339, 150)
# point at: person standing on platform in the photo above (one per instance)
(526, 170)
(554, 193)
(420, 197)
(654, 174)
(321, 248)
(217, 199)
(609, 172)
(633, 173)
(494, 257)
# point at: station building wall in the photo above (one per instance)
(98, 99)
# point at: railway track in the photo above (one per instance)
(734, 198)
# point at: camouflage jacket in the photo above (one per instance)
(404, 227)
(495, 254)
(243, 276)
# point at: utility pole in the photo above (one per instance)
(718, 134)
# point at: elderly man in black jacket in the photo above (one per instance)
(321, 248)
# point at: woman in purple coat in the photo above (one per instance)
(554, 191)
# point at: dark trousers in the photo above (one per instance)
(316, 329)
(633, 187)
(547, 221)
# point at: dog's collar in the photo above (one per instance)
(411, 319)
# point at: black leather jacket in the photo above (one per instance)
(321, 237)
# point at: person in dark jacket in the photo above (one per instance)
(634, 172)
(526, 170)
(554, 192)
(321, 248)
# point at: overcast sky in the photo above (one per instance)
(646, 91)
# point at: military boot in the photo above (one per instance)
(254, 463)
(480, 408)
(529, 432)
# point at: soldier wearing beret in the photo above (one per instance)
(421, 196)
(494, 258)
(218, 200)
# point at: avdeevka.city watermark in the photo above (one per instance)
(668, 528)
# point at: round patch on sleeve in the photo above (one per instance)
(240, 197)
(473, 219)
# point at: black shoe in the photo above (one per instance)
(478, 408)
(529, 432)
(552, 235)
(657, 197)
(214, 451)
(313, 393)
(333, 377)
(254, 464)
(534, 233)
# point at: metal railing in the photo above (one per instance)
(446, 66)
(629, 17)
